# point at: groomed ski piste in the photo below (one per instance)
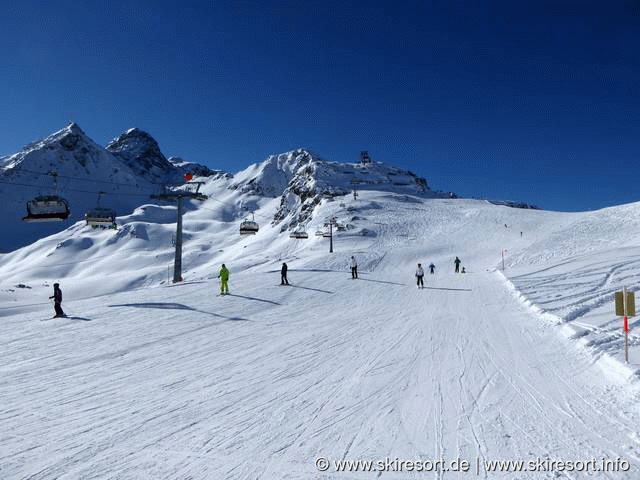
(152, 380)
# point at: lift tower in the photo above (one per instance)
(178, 195)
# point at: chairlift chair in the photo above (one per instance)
(299, 234)
(47, 208)
(101, 216)
(249, 227)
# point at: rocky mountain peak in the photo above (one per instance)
(141, 152)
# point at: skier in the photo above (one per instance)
(224, 280)
(354, 267)
(283, 275)
(57, 300)
(457, 263)
(420, 276)
(432, 268)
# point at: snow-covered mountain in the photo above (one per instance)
(126, 172)
(132, 167)
(302, 179)
(142, 154)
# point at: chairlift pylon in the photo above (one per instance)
(48, 208)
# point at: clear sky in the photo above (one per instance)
(533, 101)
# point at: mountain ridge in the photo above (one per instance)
(302, 179)
(85, 171)
(132, 167)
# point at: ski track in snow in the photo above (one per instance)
(176, 382)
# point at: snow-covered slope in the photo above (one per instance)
(152, 380)
(127, 172)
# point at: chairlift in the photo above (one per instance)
(327, 232)
(249, 227)
(47, 208)
(193, 188)
(101, 216)
(299, 234)
(319, 233)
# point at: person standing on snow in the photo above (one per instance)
(420, 276)
(457, 262)
(57, 300)
(283, 275)
(432, 268)
(354, 267)
(224, 280)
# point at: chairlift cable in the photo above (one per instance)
(78, 190)
(72, 178)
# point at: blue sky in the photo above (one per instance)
(532, 101)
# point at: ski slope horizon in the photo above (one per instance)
(131, 169)
(149, 379)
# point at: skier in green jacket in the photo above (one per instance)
(224, 280)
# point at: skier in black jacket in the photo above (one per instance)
(57, 300)
(283, 275)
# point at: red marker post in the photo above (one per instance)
(626, 339)
(625, 307)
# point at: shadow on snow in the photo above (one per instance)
(178, 306)
(310, 288)
(449, 289)
(253, 298)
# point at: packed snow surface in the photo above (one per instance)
(148, 379)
